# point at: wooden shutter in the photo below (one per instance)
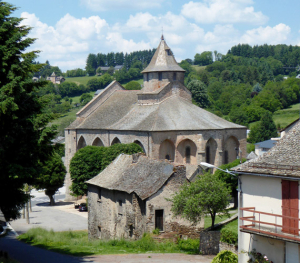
(290, 206)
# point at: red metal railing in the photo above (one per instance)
(280, 226)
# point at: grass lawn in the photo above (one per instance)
(207, 219)
(76, 243)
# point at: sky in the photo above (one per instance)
(66, 31)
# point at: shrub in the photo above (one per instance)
(156, 231)
(257, 257)
(225, 256)
(229, 236)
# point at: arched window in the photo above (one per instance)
(211, 151)
(159, 75)
(188, 154)
(167, 150)
(115, 140)
(140, 144)
(187, 151)
(81, 143)
(97, 142)
(230, 151)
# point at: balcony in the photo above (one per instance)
(270, 225)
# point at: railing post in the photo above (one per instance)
(259, 222)
(275, 224)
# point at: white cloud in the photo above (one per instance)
(68, 44)
(103, 5)
(223, 11)
(270, 35)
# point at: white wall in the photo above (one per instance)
(263, 193)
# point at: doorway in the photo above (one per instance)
(159, 219)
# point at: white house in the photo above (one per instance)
(269, 202)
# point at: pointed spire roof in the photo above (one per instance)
(53, 74)
(163, 59)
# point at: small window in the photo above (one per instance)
(167, 157)
(120, 202)
(207, 153)
(159, 75)
(169, 52)
(174, 76)
(120, 207)
(147, 76)
(99, 231)
(188, 154)
(68, 131)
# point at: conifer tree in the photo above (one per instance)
(24, 134)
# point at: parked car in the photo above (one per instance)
(82, 207)
(76, 205)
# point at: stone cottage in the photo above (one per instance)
(161, 118)
(128, 198)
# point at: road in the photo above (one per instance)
(45, 199)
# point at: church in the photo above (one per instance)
(160, 117)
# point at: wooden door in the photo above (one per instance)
(290, 207)
(159, 219)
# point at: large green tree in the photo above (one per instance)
(199, 93)
(206, 195)
(91, 160)
(51, 177)
(264, 130)
(25, 136)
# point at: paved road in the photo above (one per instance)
(45, 199)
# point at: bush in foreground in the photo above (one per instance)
(225, 256)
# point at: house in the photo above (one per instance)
(105, 69)
(56, 79)
(262, 147)
(269, 202)
(161, 118)
(128, 198)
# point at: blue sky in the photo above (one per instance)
(68, 30)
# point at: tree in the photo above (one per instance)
(52, 177)
(264, 130)
(199, 93)
(85, 98)
(230, 180)
(91, 160)
(133, 85)
(203, 59)
(24, 131)
(206, 195)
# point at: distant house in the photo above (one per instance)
(105, 69)
(262, 147)
(97, 92)
(35, 79)
(59, 139)
(298, 76)
(55, 79)
(128, 198)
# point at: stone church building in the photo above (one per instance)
(161, 118)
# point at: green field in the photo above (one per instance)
(284, 117)
(198, 68)
(80, 80)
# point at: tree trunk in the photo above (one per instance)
(213, 217)
(30, 204)
(27, 213)
(52, 202)
(23, 212)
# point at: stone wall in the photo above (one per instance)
(114, 214)
(209, 242)
(230, 247)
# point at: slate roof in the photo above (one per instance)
(122, 112)
(143, 176)
(281, 160)
(268, 144)
(163, 60)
